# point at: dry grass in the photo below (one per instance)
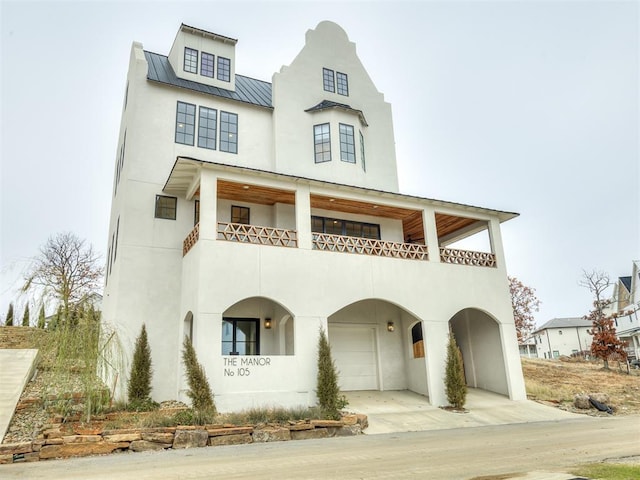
(559, 381)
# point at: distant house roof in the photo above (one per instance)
(325, 104)
(564, 323)
(626, 281)
(248, 90)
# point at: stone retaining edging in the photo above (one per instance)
(54, 443)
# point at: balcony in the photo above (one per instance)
(367, 246)
(467, 257)
(276, 237)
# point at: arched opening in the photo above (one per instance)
(257, 326)
(373, 348)
(478, 337)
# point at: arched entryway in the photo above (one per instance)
(374, 346)
(479, 338)
(257, 326)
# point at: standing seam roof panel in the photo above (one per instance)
(248, 90)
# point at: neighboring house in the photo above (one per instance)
(625, 308)
(529, 347)
(247, 215)
(563, 337)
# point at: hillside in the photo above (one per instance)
(558, 381)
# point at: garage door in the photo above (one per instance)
(354, 351)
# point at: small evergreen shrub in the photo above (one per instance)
(456, 387)
(140, 376)
(330, 400)
(25, 317)
(199, 390)
(8, 321)
(41, 317)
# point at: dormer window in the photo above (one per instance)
(327, 80)
(343, 83)
(206, 64)
(190, 60)
(224, 69)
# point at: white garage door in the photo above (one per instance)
(354, 351)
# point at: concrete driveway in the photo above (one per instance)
(405, 411)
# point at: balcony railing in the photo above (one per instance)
(237, 232)
(368, 246)
(467, 257)
(191, 239)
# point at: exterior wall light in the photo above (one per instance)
(267, 323)
(390, 326)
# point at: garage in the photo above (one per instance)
(354, 352)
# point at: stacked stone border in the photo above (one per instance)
(54, 443)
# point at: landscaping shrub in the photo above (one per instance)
(330, 400)
(199, 390)
(456, 387)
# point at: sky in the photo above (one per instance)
(522, 106)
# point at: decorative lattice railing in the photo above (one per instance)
(191, 239)
(467, 257)
(368, 246)
(237, 232)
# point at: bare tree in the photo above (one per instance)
(66, 269)
(605, 343)
(524, 302)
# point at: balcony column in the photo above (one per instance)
(431, 234)
(303, 216)
(495, 237)
(208, 205)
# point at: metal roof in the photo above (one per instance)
(325, 104)
(248, 90)
(185, 169)
(565, 323)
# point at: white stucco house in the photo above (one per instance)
(563, 337)
(625, 308)
(247, 215)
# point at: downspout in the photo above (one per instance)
(579, 343)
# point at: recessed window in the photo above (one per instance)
(206, 64)
(196, 212)
(559, 332)
(224, 69)
(322, 143)
(364, 165)
(166, 207)
(240, 336)
(228, 132)
(185, 123)
(347, 144)
(190, 60)
(350, 228)
(208, 121)
(327, 80)
(342, 83)
(240, 215)
(417, 340)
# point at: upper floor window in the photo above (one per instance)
(240, 215)
(228, 131)
(196, 212)
(327, 80)
(166, 207)
(190, 60)
(207, 125)
(206, 64)
(364, 165)
(342, 83)
(185, 123)
(349, 228)
(224, 69)
(322, 143)
(347, 144)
